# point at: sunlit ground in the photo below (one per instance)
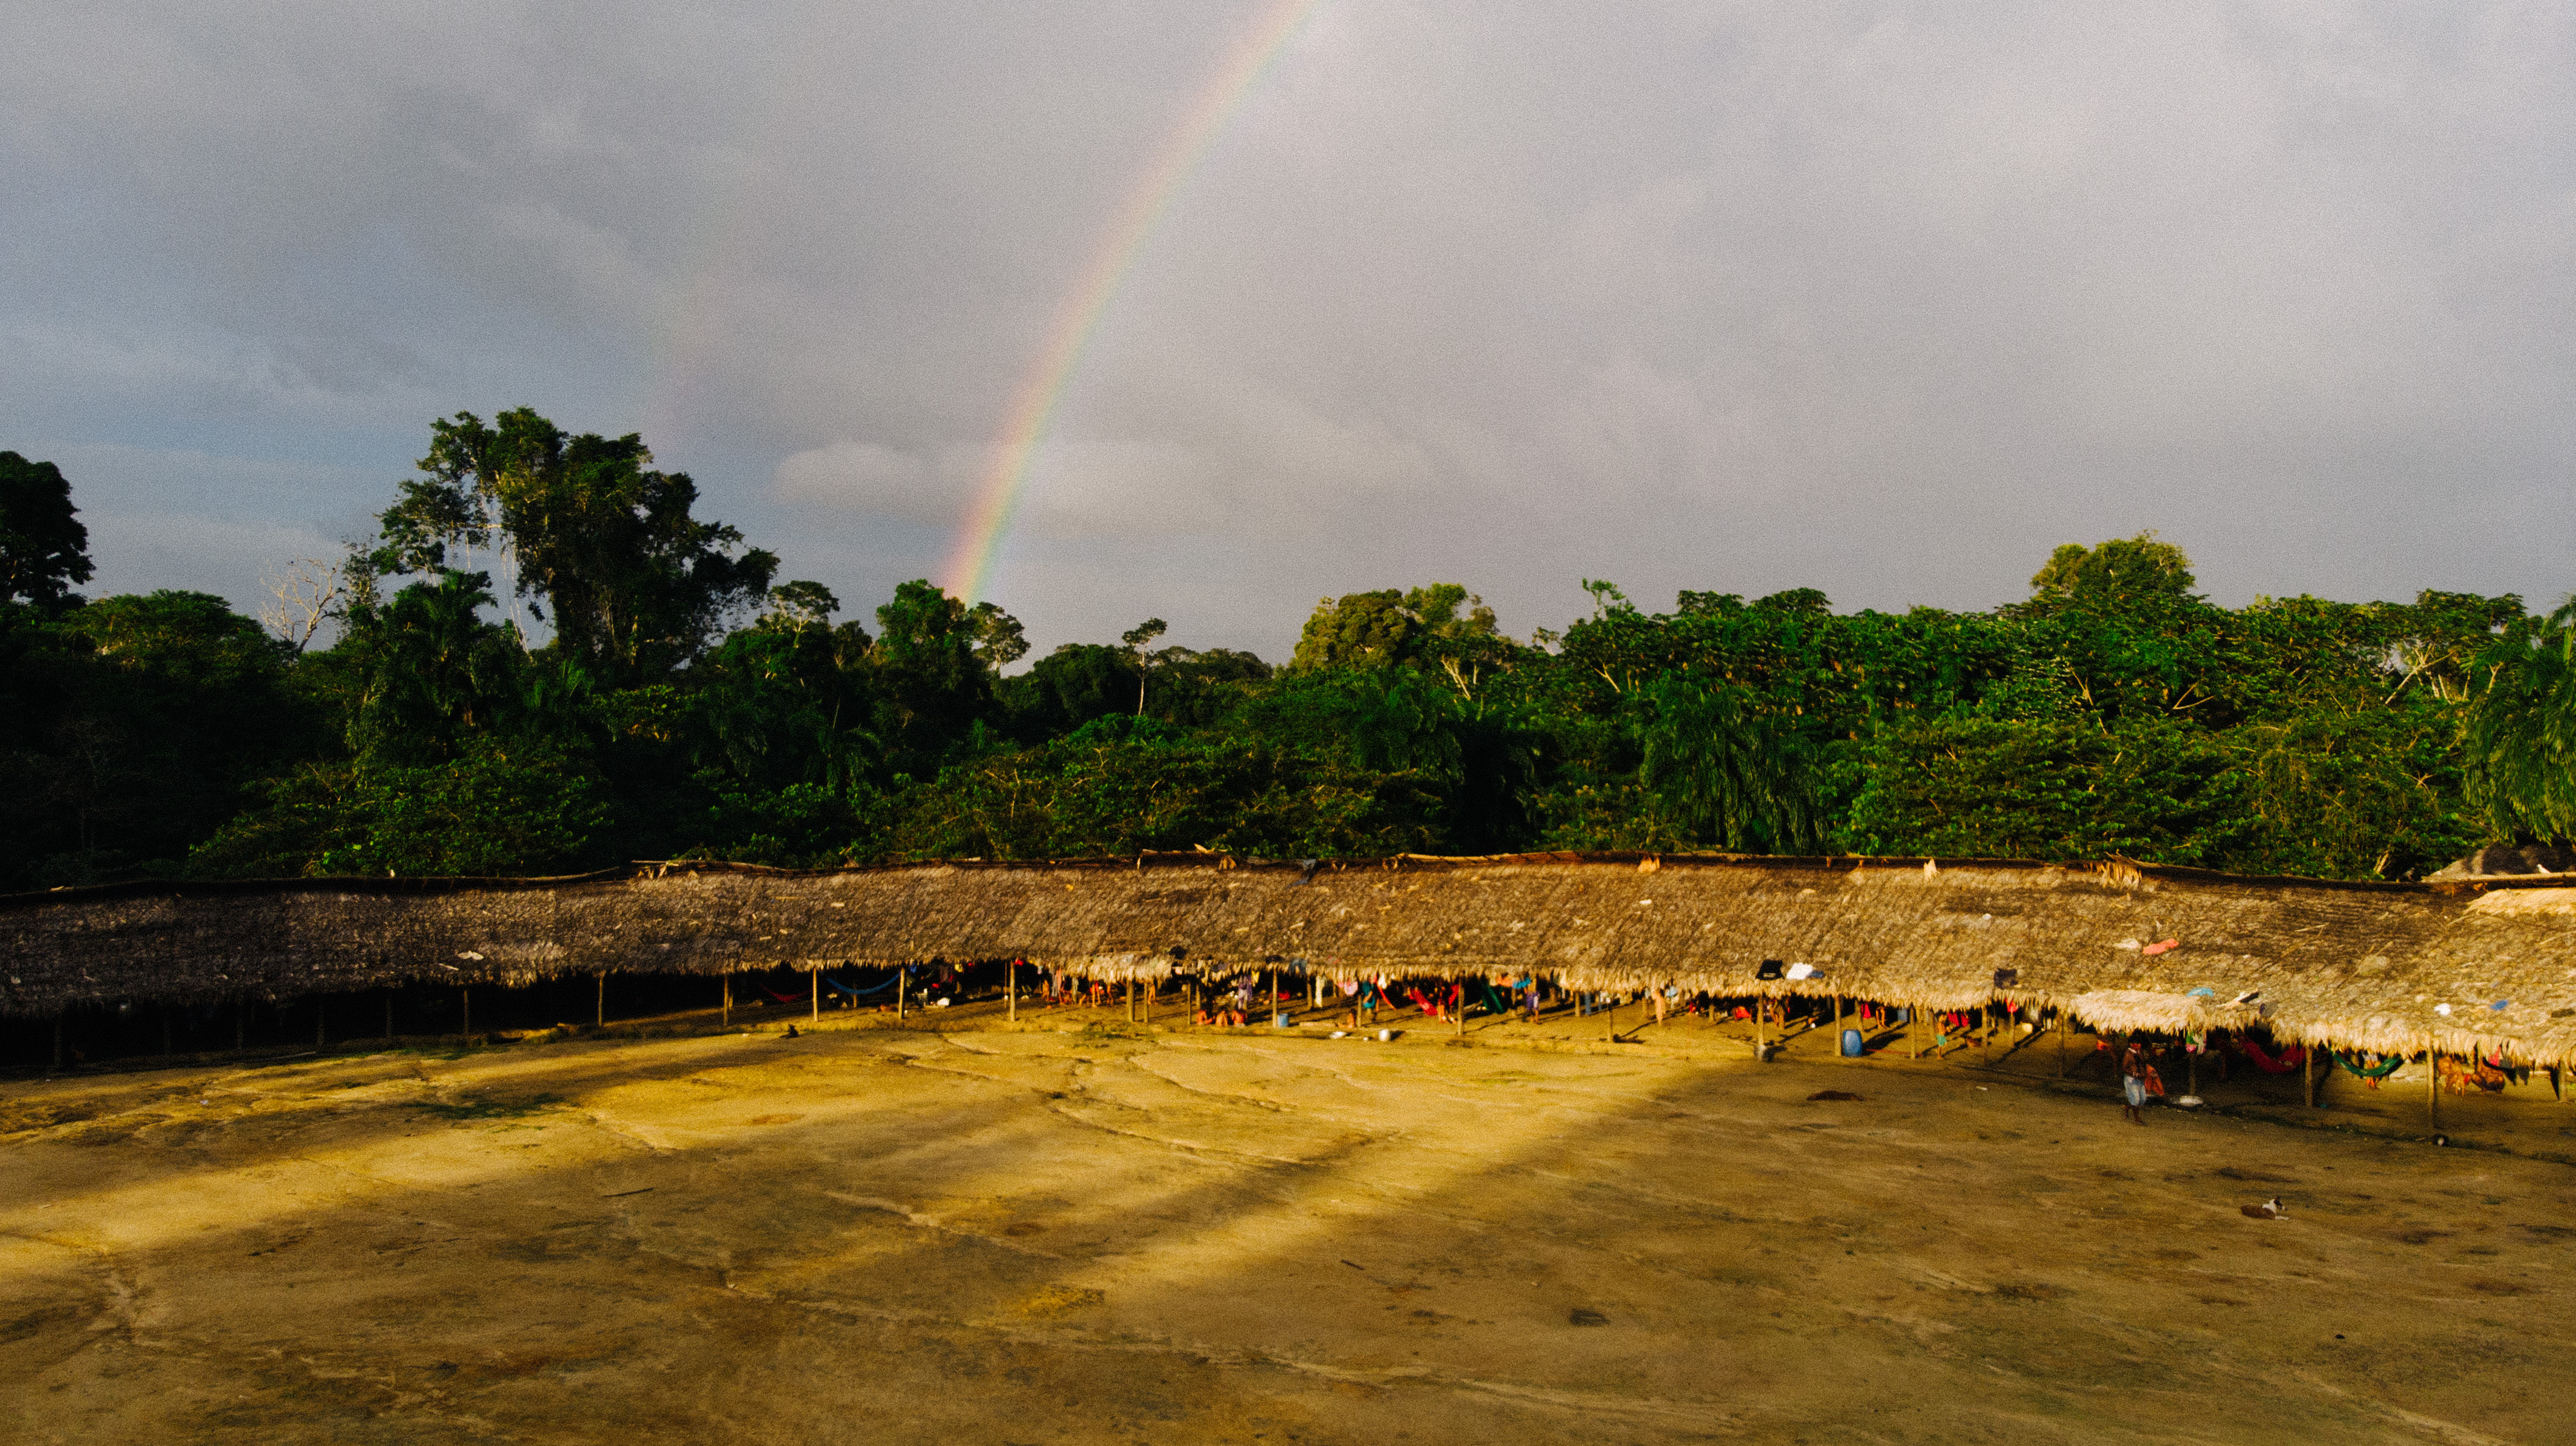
(879, 1235)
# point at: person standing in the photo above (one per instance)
(2135, 1071)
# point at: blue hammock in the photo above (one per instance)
(858, 993)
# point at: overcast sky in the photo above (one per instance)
(1883, 299)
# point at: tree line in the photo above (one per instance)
(689, 703)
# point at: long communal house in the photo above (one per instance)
(2483, 967)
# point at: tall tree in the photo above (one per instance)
(634, 584)
(1443, 626)
(44, 549)
(933, 664)
(2125, 570)
(1136, 639)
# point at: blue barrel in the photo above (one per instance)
(1851, 1044)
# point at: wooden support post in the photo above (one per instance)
(2432, 1084)
(1278, 993)
(1152, 988)
(1131, 999)
(814, 980)
(724, 1013)
(2308, 1074)
(2062, 1023)
(898, 994)
(1011, 991)
(1913, 1022)
(599, 1006)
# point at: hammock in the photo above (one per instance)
(784, 998)
(1432, 1006)
(2288, 1060)
(2382, 1070)
(879, 987)
(1494, 1002)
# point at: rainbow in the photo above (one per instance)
(1033, 405)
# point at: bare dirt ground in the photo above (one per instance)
(1054, 1234)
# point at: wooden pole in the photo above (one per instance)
(599, 1006)
(2062, 1023)
(1152, 987)
(2308, 1074)
(726, 1014)
(2432, 1084)
(1131, 999)
(1011, 991)
(898, 994)
(814, 981)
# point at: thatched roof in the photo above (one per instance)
(2356, 965)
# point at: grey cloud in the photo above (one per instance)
(1886, 299)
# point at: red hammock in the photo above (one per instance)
(1427, 1006)
(2288, 1060)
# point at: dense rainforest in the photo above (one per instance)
(686, 702)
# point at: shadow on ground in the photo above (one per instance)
(888, 1236)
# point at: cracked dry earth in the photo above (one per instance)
(878, 1236)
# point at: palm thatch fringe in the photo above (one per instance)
(2350, 965)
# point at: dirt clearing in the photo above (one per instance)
(879, 1236)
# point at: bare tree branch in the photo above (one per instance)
(302, 596)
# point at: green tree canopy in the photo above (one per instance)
(44, 549)
(633, 583)
(1440, 626)
(2125, 571)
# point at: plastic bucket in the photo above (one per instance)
(1279, 1021)
(1851, 1044)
